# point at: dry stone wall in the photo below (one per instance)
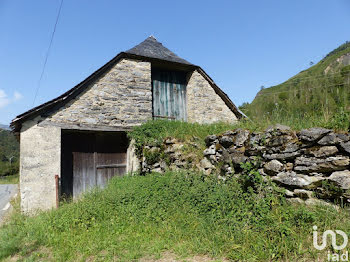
(311, 164)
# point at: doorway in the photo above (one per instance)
(90, 159)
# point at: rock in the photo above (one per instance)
(256, 150)
(281, 156)
(290, 147)
(156, 165)
(154, 149)
(227, 170)
(341, 179)
(345, 147)
(322, 151)
(206, 164)
(313, 134)
(226, 157)
(318, 202)
(226, 141)
(163, 165)
(312, 164)
(343, 137)
(288, 193)
(330, 139)
(278, 129)
(280, 140)
(273, 167)
(213, 159)
(209, 140)
(294, 180)
(241, 149)
(172, 148)
(89, 120)
(156, 170)
(210, 150)
(241, 137)
(238, 158)
(255, 139)
(262, 172)
(170, 141)
(288, 166)
(295, 200)
(303, 194)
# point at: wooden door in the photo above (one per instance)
(84, 175)
(109, 165)
(169, 95)
(95, 158)
(110, 157)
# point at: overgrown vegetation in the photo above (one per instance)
(186, 213)
(154, 132)
(319, 96)
(9, 179)
(9, 154)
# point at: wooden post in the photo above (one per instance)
(57, 192)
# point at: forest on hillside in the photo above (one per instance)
(9, 153)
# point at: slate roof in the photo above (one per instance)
(153, 49)
(149, 50)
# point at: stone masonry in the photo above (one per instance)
(312, 164)
(203, 104)
(119, 99)
(122, 97)
(40, 161)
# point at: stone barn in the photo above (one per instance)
(79, 138)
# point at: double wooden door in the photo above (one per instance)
(95, 158)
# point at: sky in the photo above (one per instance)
(241, 44)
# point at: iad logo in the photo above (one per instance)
(332, 234)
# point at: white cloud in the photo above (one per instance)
(4, 100)
(17, 96)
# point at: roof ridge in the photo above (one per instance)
(151, 48)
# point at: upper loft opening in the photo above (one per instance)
(169, 94)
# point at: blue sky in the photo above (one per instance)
(242, 44)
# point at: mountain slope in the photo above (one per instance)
(323, 90)
(9, 153)
(4, 127)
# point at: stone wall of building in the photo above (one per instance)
(203, 104)
(120, 98)
(40, 161)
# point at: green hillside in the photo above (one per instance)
(9, 153)
(320, 93)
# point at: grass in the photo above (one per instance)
(9, 179)
(183, 213)
(312, 96)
